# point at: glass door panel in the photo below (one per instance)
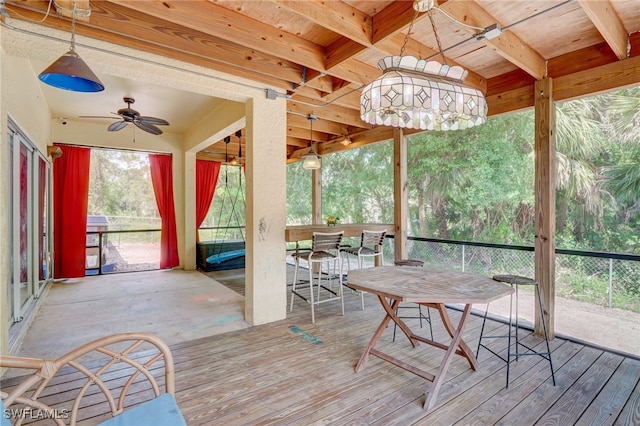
(26, 285)
(29, 243)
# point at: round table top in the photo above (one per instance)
(515, 279)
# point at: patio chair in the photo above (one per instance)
(325, 249)
(370, 247)
(118, 370)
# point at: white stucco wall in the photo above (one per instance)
(22, 99)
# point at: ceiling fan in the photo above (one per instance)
(130, 115)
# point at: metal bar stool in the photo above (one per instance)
(420, 316)
(515, 282)
(325, 249)
(370, 246)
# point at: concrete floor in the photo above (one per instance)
(176, 305)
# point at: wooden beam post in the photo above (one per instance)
(316, 196)
(545, 202)
(400, 193)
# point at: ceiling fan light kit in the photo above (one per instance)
(415, 93)
(70, 72)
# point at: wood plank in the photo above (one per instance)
(569, 408)
(508, 45)
(400, 194)
(604, 17)
(219, 21)
(631, 413)
(607, 406)
(545, 205)
(396, 400)
(597, 80)
(466, 394)
(526, 381)
(340, 18)
(279, 373)
(529, 409)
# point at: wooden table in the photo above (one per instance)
(305, 232)
(429, 287)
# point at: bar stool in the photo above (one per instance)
(420, 316)
(370, 246)
(515, 282)
(325, 249)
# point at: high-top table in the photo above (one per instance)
(429, 287)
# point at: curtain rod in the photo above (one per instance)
(112, 149)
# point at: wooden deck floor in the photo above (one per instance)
(293, 372)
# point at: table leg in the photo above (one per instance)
(390, 309)
(391, 312)
(456, 341)
(448, 325)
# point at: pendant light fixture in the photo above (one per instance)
(418, 94)
(311, 160)
(237, 161)
(70, 72)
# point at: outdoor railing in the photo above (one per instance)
(111, 252)
(605, 279)
(219, 233)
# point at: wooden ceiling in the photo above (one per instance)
(322, 52)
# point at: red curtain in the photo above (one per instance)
(70, 200)
(162, 179)
(207, 173)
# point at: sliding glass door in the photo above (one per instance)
(29, 244)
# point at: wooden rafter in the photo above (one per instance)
(609, 24)
(508, 45)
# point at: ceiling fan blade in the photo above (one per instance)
(150, 128)
(154, 120)
(118, 125)
(98, 116)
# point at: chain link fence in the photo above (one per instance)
(606, 279)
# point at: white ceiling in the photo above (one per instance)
(180, 108)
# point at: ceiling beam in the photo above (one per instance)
(508, 45)
(597, 80)
(66, 8)
(346, 96)
(609, 24)
(419, 50)
(335, 113)
(341, 18)
(234, 59)
(392, 19)
(582, 83)
(219, 21)
(324, 126)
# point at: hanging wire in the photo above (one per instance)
(408, 35)
(464, 24)
(435, 32)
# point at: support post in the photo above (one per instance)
(400, 194)
(545, 202)
(266, 178)
(316, 196)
